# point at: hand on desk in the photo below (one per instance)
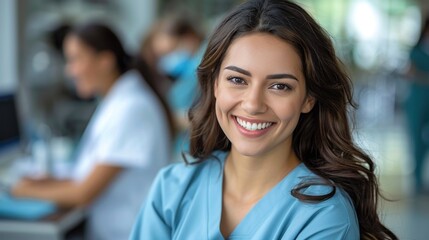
(41, 188)
(67, 193)
(25, 185)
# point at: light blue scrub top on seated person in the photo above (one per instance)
(181, 96)
(185, 202)
(185, 89)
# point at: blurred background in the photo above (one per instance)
(372, 37)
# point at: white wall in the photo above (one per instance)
(8, 45)
(136, 18)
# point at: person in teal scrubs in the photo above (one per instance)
(417, 106)
(272, 149)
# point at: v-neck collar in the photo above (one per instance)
(248, 224)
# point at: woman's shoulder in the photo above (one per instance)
(181, 172)
(332, 216)
(336, 211)
(337, 207)
(182, 175)
(320, 187)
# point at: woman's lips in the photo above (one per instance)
(252, 127)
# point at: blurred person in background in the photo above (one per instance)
(155, 44)
(175, 47)
(417, 105)
(125, 143)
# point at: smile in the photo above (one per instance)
(253, 126)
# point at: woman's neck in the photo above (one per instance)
(250, 178)
(109, 81)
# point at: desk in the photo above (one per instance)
(52, 227)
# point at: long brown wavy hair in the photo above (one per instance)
(322, 139)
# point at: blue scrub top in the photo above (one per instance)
(420, 58)
(185, 202)
(185, 89)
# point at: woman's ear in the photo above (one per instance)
(308, 104)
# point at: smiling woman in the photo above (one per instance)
(264, 90)
(270, 134)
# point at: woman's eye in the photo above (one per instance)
(236, 80)
(280, 86)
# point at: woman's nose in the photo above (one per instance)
(253, 102)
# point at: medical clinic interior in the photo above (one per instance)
(95, 100)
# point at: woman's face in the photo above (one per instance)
(83, 65)
(260, 94)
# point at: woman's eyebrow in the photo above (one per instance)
(240, 70)
(282, 75)
(271, 76)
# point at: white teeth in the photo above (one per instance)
(253, 126)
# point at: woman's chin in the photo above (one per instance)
(249, 151)
(84, 93)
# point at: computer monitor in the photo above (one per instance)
(10, 134)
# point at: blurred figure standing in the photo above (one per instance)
(155, 44)
(175, 47)
(124, 145)
(417, 105)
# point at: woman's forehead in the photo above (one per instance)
(262, 52)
